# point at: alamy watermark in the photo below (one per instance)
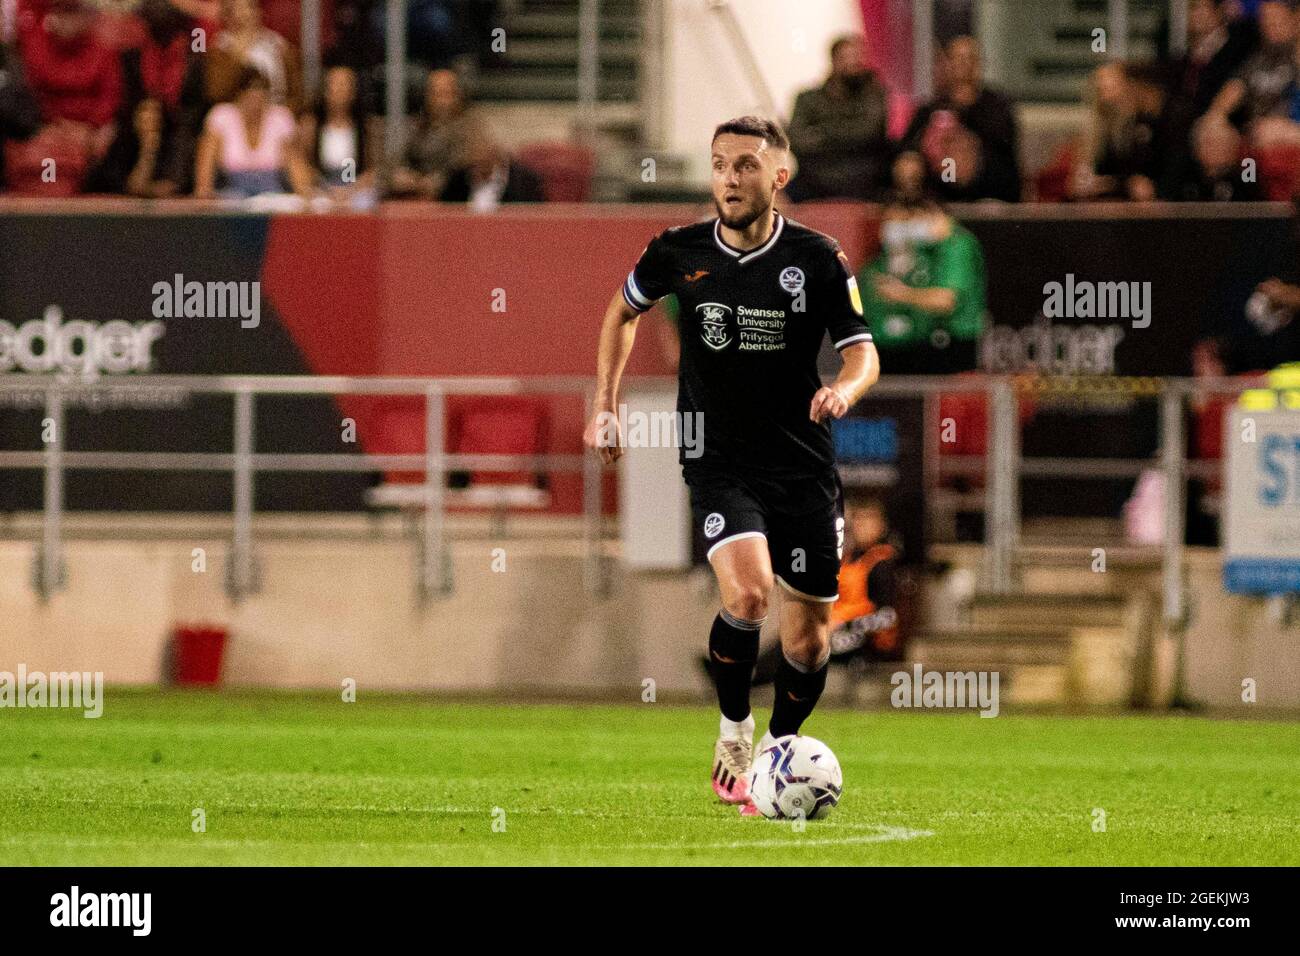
(74, 908)
(208, 300)
(1082, 299)
(82, 689)
(946, 689)
(683, 430)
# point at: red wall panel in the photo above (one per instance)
(411, 291)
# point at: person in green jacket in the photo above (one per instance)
(924, 296)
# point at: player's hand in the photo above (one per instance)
(828, 402)
(604, 435)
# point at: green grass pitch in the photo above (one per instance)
(287, 779)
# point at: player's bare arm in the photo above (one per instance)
(860, 371)
(617, 335)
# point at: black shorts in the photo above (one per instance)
(801, 518)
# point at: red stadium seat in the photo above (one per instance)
(1053, 180)
(566, 169)
(25, 163)
(500, 426)
(487, 426)
(1279, 171)
(969, 414)
(285, 18)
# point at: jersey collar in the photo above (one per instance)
(740, 255)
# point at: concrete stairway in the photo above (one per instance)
(540, 61)
(1057, 54)
(1049, 648)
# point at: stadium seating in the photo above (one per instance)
(566, 169)
(482, 426)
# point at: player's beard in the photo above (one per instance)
(745, 217)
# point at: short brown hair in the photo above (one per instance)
(250, 77)
(764, 129)
(844, 39)
(870, 499)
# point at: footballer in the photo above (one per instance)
(757, 293)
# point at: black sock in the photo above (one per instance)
(733, 647)
(797, 692)
(765, 668)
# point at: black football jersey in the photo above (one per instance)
(751, 325)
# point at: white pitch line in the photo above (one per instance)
(885, 835)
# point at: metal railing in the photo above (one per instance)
(1003, 466)
(243, 462)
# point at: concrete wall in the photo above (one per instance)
(332, 609)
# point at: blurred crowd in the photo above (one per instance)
(159, 98)
(967, 134)
(1220, 122)
(206, 98)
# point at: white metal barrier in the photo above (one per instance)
(1003, 466)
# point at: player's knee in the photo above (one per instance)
(749, 602)
(809, 654)
(808, 643)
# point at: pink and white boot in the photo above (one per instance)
(732, 756)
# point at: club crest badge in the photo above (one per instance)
(715, 324)
(792, 279)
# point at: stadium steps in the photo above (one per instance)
(1057, 57)
(540, 60)
(1032, 663)
(989, 647)
(1055, 610)
(1060, 648)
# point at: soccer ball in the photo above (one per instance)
(795, 777)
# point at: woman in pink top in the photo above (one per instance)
(248, 147)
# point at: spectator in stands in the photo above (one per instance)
(150, 155)
(924, 296)
(245, 42)
(1217, 44)
(75, 77)
(358, 45)
(1219, 177)
(135, 164)
(431, 33)
(488, 176)
(1263, 331)
(248, 147)
(1281, 295)
(156, 68)
(968, 134)
(1122, 160)
(1274, 313)
(20, 115)
(334, 135)
(205, 11)
(436, 142)
(838, 132)
(1264, 85)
